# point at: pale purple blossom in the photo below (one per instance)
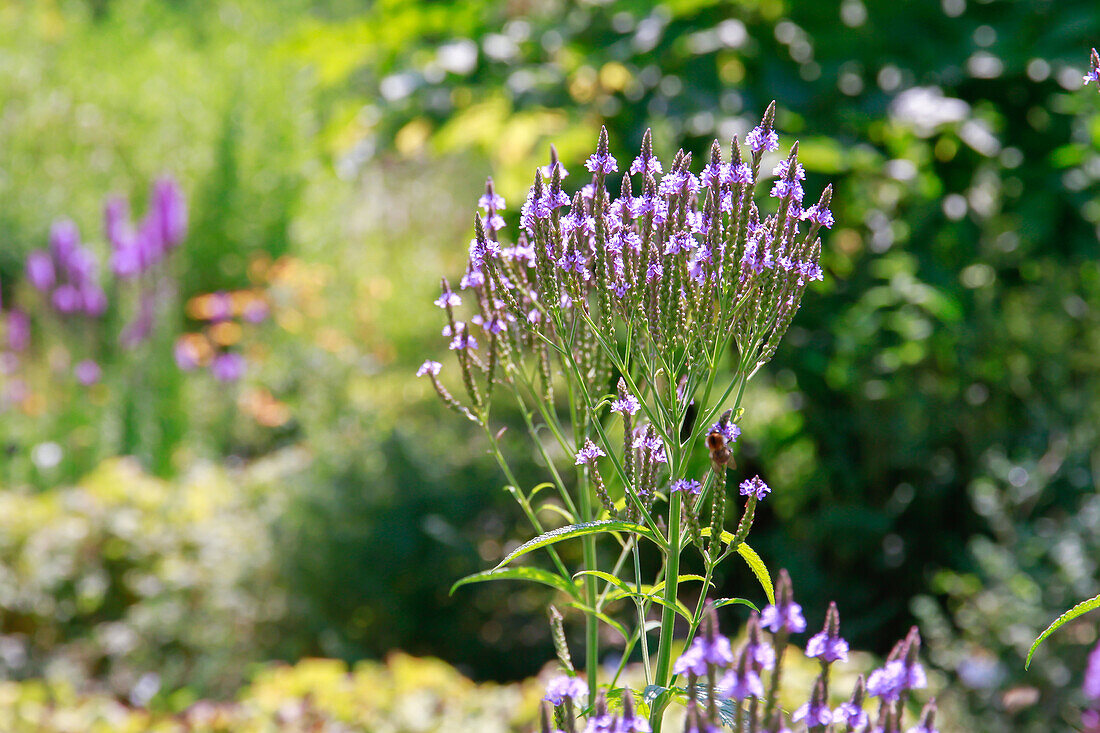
(895, 677)
(604, 163)
(755, 486)
(588, 453)
(851, 715)
(687, 486)
(629, 404)
(228, 367)
(761, 139)
(728, 430)
(429, 367)
(87, 372)
(740, 684)
(1091, 686)
(563, 686)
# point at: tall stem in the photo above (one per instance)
(668, 613)
(591, 592)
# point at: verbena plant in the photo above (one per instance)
(608, 324)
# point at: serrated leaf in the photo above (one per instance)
(1081, 608)
(535, 575)
(759, 569)
(576, 530)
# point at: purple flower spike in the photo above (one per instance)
(688, 486)
(64, 239)
(588, 454)
(429, 367)
(449, 299)
(66, 299)
(561, 687)
(19, 331)
(895, 678)
(785, 614)
(170, 210)
(755, 487)
(738, 684)
(827, 644)
(627, 405)
(605, 163)
(94, 300)
(819, 215)
(87, 372)
(851, 715)
(228, 367)
(40, 270)
(762, 139)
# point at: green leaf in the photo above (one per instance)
(758, 569)
(537, 575)
(577, 530)
(1080, 608)
(738, 601)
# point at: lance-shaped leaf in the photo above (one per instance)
(536, 575)
(579, 530)
(759, 569)
(1065, 618)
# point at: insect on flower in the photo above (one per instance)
(719, 451)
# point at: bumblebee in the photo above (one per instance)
(719, 451)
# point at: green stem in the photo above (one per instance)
(591, 622)
(668, 612)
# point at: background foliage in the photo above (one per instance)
(929, 425)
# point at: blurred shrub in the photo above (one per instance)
(404, 695)
(135, 585)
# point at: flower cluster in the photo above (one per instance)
(742, 675)
(135, 250)
(67, 271)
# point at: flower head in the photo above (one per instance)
(815, 711)
(785, 614)
(563, 686)
(762, 139)
(687, 486)
(827, 645)
(589, 453)
(627, 405)
(429, 367)
(601, 163)
(755, 487)
(742, 681)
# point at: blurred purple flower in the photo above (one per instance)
(87, 372)
(40, 270)
(19, 330)
(169, 210)
(228, 367)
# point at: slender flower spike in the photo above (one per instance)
(688, 486)
(851, 713)
(761, 655)
(631, 722)
(708, 649)
(601, 721)
(601, 161)
(927, 722)
(901, 673)
(742, 681)
(827, 644)
(755, 487)
(785, 614)
(563, 686)
(448, 298)
(816, 710)
(763, 137)
(589, 453)
(1094, 69)
(429, 367)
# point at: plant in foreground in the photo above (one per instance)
(607, 324)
